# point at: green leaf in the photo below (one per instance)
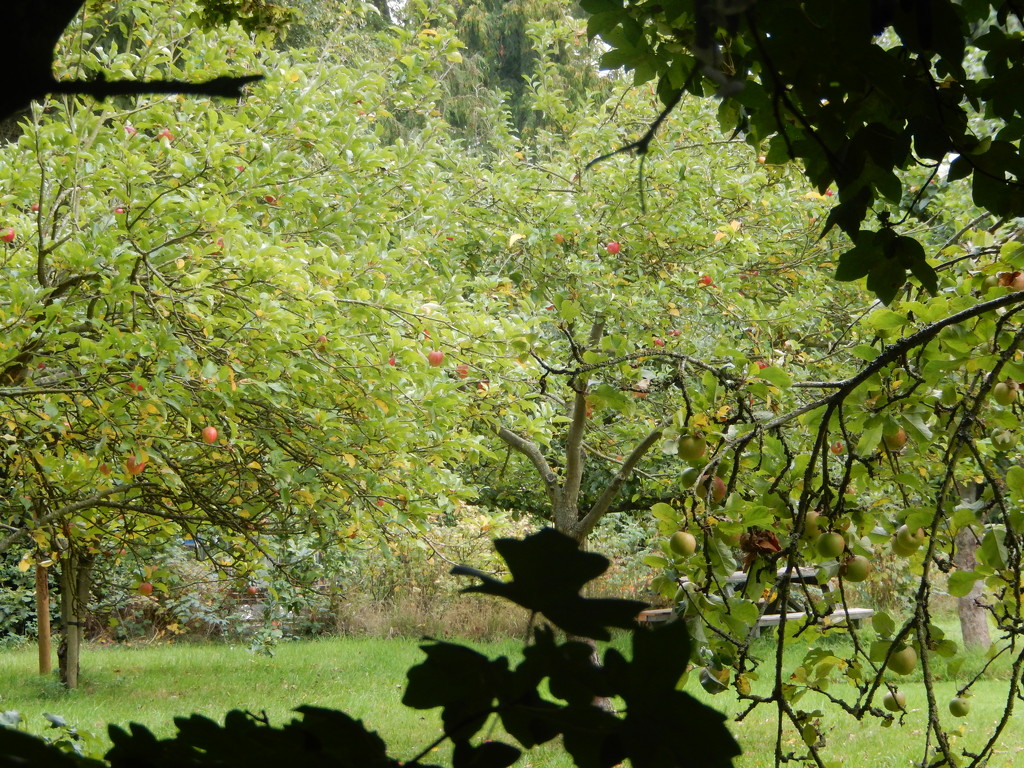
(883, 624)
(885, 319)
(776, 376)
(1015, 481)
(548, 570)
(962, 582)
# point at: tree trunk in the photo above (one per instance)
(75, 583)
(973, 616)
(43, 619)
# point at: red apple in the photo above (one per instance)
(675, 332)
(436, 357)
(613, 247)
(209, 435)
(165, 134)
(104, 469)
(8, 235)
(391, 360)
(659, 342)
(559, 238)
(252, 589)
(705, 280)
(837, 447)
(145, 588)
(895, 440)
(762, 364)
(717, 489)
(321, 339)
(270, 199)
(34, 207)
(462, 371)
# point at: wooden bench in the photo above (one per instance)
(772, 610)
(853, 615)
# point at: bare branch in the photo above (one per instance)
(602, 505)
(532, 451)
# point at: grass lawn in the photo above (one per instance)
(365, 677)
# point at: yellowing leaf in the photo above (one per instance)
(735, 225)
(25, 563)
(515, 238)
(719, 236)
(254, 465)
(349, 458)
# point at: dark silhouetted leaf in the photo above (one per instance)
(548, 570)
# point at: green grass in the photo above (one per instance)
(366, 677)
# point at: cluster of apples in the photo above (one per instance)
(693, 448)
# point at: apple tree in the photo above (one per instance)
(211, 328)
(707, 367)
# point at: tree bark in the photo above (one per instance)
(75, 584)
(970, 607)
(43, 619)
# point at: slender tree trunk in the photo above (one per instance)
(43, 619)
(973, 616)
(75, 583)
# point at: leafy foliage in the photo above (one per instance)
(857, 92)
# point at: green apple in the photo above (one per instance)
(692, 447)
(959, 706)
(903, 661)
(683, 543)
(910, 539)
(901, 550)
(856, 569)
(830, 545)
(1005, 392)
(811, 530)
(894, 702)
(1004, 440)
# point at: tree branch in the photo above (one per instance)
(531, 451)
(60, 512)
(225, 87)
(602, 505)
(574, 452)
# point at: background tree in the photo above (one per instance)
(893, 87)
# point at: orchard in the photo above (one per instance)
(235, 322)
